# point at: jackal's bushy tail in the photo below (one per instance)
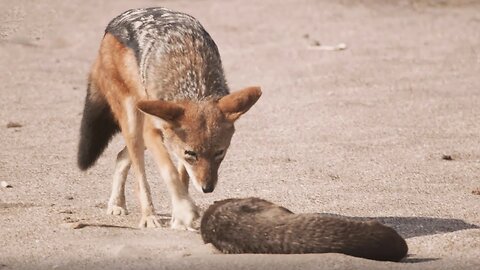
(97, 129)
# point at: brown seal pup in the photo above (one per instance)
(253, 225)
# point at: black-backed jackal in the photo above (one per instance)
(158, 79)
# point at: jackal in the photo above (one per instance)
(253, 225)
(158, 79)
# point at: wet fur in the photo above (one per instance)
(254, 225)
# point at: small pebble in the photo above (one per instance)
(447, 157)
(315, 43)
(4, 184)
(69, 219)
(334, 176)
(13, 125)
(341, 46)
(476, 191)
(69, 198)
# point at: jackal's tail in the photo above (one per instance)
(97, 129)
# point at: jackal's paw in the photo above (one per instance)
(149, 222)
(117, 210)
(184, 213)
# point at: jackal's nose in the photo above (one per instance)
(208, 189)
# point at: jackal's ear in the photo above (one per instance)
(239, 102)
(165, 110)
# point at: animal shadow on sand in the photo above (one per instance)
(410, 227)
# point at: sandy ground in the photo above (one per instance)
(358, 132)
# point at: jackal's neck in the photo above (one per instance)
(189, 70)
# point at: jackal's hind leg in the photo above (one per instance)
(117, 204)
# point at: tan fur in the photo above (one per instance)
(115, 76)
(236, 104)
(170, 128)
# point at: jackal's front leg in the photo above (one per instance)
(132, 127)
(184, 210)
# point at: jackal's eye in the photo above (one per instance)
(219, 154)
(190, 155)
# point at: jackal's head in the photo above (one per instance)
(198, 133)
